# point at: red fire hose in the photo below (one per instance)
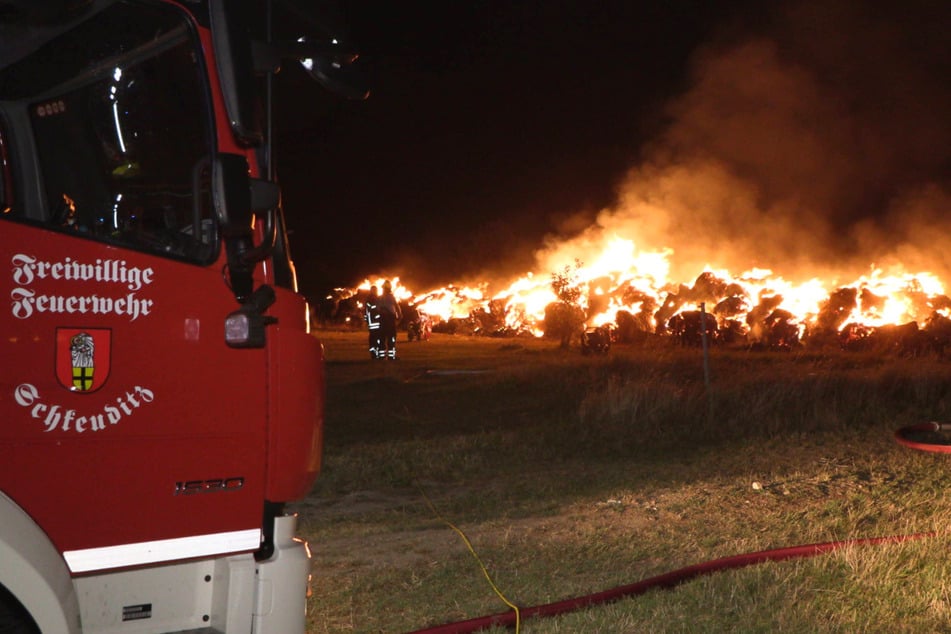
(676, 577)
(924, 428)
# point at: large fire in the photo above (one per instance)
(784, 152)
(630, 290)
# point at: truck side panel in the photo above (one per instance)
(297, 382)
(170, 431)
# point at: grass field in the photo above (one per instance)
(574, 474)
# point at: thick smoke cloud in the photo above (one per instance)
(817, 143)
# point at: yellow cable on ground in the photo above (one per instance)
(475, 555)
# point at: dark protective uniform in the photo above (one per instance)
(371, 313)
(391, 315)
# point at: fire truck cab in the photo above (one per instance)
(161, 396)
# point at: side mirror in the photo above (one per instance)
(231, 192)
(265, 199)
(333, 66)
(231, 186)
(335, 70)
(236, 197)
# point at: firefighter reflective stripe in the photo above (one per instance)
(90, 559)
(372, 315)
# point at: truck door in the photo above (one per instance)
(129, 430)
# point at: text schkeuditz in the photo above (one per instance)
(28, 270)
(58, 417)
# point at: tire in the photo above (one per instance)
(14, 619)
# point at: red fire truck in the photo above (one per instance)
(161, 394)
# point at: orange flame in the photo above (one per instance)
(621, 277)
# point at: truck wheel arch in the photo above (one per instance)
(35, 572)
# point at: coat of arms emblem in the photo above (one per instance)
(82, 358)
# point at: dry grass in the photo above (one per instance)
(575, 474)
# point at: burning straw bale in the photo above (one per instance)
(632, 328)
(688, 328)
(733, 333)
(905, 340)
(758, 319)
(707, 288)
(729, 307)
(772, 329)
(757, 309)
(782, 330)
(939, 327)
(647, 307)
(489, 322)
(671, 306)
(834, 311)
(455, 326)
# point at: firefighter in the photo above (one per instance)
(371, 313)
(391, 315)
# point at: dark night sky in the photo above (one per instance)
(487, 122)
(494, 123)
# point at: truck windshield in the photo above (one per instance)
(115, 111)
